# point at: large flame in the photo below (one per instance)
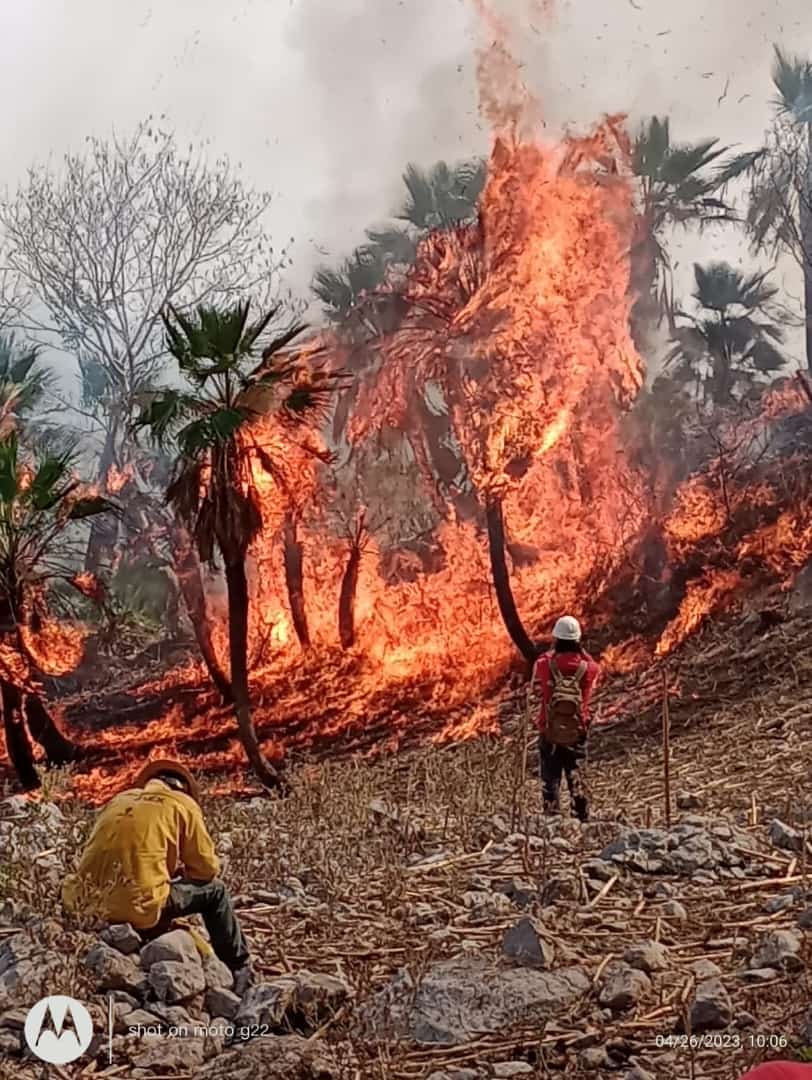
(498, 376)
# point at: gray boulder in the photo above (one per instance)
(784, 836)
(523, 944)
(28, 964)
(122, 937)
(272, 1058)
(711, 1008)
(172, 981)
(673, 909)
(177, 946)
(166, 1056)
(460, 999)
(114, 971)
(648, 956)
(217, 974)
(222, 1002)
(302, 1000)
(779, 949)
(686, 800)
(623, 987)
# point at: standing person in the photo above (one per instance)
(566, 676)
(150, 859)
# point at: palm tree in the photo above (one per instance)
(780, 212)
(731, 341)
(440, 197)
(443, 196)
(39, 499)
(678, 184)
(209, 423)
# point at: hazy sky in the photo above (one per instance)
(325, 102)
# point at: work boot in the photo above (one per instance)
(580, 808)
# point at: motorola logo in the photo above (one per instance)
(58, 1029)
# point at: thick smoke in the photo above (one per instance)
(325, 104)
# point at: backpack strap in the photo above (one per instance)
(581, 671)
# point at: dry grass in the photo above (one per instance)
(740, 740)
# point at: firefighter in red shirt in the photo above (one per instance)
(566, 677)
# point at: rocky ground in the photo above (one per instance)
(413, 917)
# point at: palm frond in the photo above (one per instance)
(792, 78)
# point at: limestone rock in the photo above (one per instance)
(173, 982)
(805, 919)
(222, 1002)
(114, 971)
(594, 1058)
(673, 909)
(524, 945)
(623, 987)
(711, 1009)
(648, 956)
(272, 1058)
(10, 1042)
(688, 801)
(122, 937)
(519, 892)
(460, 999)
(140, 1018)
(177, 946)
(508, 1069)
(779, 949)
(784, 836)
(486, 905)
(166, 1056)
(28, 964)
(302, 1000)
(217, 974)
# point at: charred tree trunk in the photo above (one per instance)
(501, 581)
(59, 750)
(295, 582)
(103, 533)
(346, 599)
(190, 583)
(18, 746)
(237, 584)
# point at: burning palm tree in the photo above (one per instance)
(209, 421)
(39, 500)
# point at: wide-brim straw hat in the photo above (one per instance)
(167, 765)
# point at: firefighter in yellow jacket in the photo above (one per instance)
(150, 859)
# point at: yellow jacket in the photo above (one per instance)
(140, 840)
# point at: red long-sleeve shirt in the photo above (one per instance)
(780, 1070)
(567, 663)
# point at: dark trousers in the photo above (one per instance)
(555, 761)
(213, 902)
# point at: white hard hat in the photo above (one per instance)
(567, 629)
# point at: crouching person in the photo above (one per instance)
(566, 678)
(150, 859)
